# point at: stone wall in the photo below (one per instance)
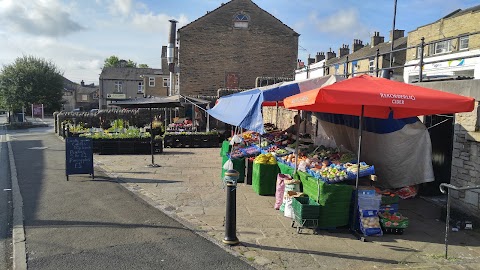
(211, 47)
(466, 162)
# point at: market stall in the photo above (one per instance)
(377, 98)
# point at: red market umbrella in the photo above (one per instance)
(377, 98)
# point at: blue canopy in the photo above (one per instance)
(244, 109)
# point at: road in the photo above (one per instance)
(97, 224)
(5, 201)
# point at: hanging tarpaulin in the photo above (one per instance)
(399, 148)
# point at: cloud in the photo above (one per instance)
(343, 23)
(150, 22)
(120, 7)
(38, 17)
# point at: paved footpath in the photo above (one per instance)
(188, 188)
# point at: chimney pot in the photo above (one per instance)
(377, 39)
(330, 54)
(396, 34)
(357, 45)
(319, 57)
(344, 50)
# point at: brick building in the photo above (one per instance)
(455, 36)
(231, 46)
(118, 83)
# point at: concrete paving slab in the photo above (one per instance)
(193, 192)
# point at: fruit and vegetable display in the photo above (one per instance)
(237, 153)
(265, 159)
(328, 164)
(395, 220)
(251, 151)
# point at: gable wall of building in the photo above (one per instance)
(211, 47)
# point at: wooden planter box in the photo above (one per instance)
(186, 140)
(126, 146)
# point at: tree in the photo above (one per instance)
(142, 65)
(31, 80)
(114, 61)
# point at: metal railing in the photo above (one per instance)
(447, 220)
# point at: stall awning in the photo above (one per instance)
(244, 109)
(380, 98)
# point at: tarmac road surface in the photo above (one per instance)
(97, 224)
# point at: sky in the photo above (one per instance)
(78, 35)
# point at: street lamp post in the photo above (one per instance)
(393, 31)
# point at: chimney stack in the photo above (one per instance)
(344, 50)
(300, 64)
(310, 60)
(330, 54)
(377, 39)
(82, 83)
(357, 45)
(319, 57)
(396, 34)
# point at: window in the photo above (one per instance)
(141, 88)
(241, 21)
(371, 65)
(151, 81)
(84, 97)
(166, 82)
(463, 43)
(118, 86)
(419, 51)
(441, 47)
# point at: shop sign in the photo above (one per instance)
(116, 96)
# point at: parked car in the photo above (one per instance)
(94, 110)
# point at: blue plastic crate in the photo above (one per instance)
(391, 208)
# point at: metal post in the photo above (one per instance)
(377, 59)
(393, 32)
(345, 67)
(420, 64)
(447, 224)
(276, 115)
(153, 165)
(298, 139)
(171, 56)
(447, 220)
(230, 179)
(359, 151)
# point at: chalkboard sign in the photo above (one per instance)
(79, 156)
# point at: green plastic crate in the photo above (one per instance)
(323, 192)
(264, 178)
(238, 165)
(225, 148)
(305, 208)
(285, 169)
